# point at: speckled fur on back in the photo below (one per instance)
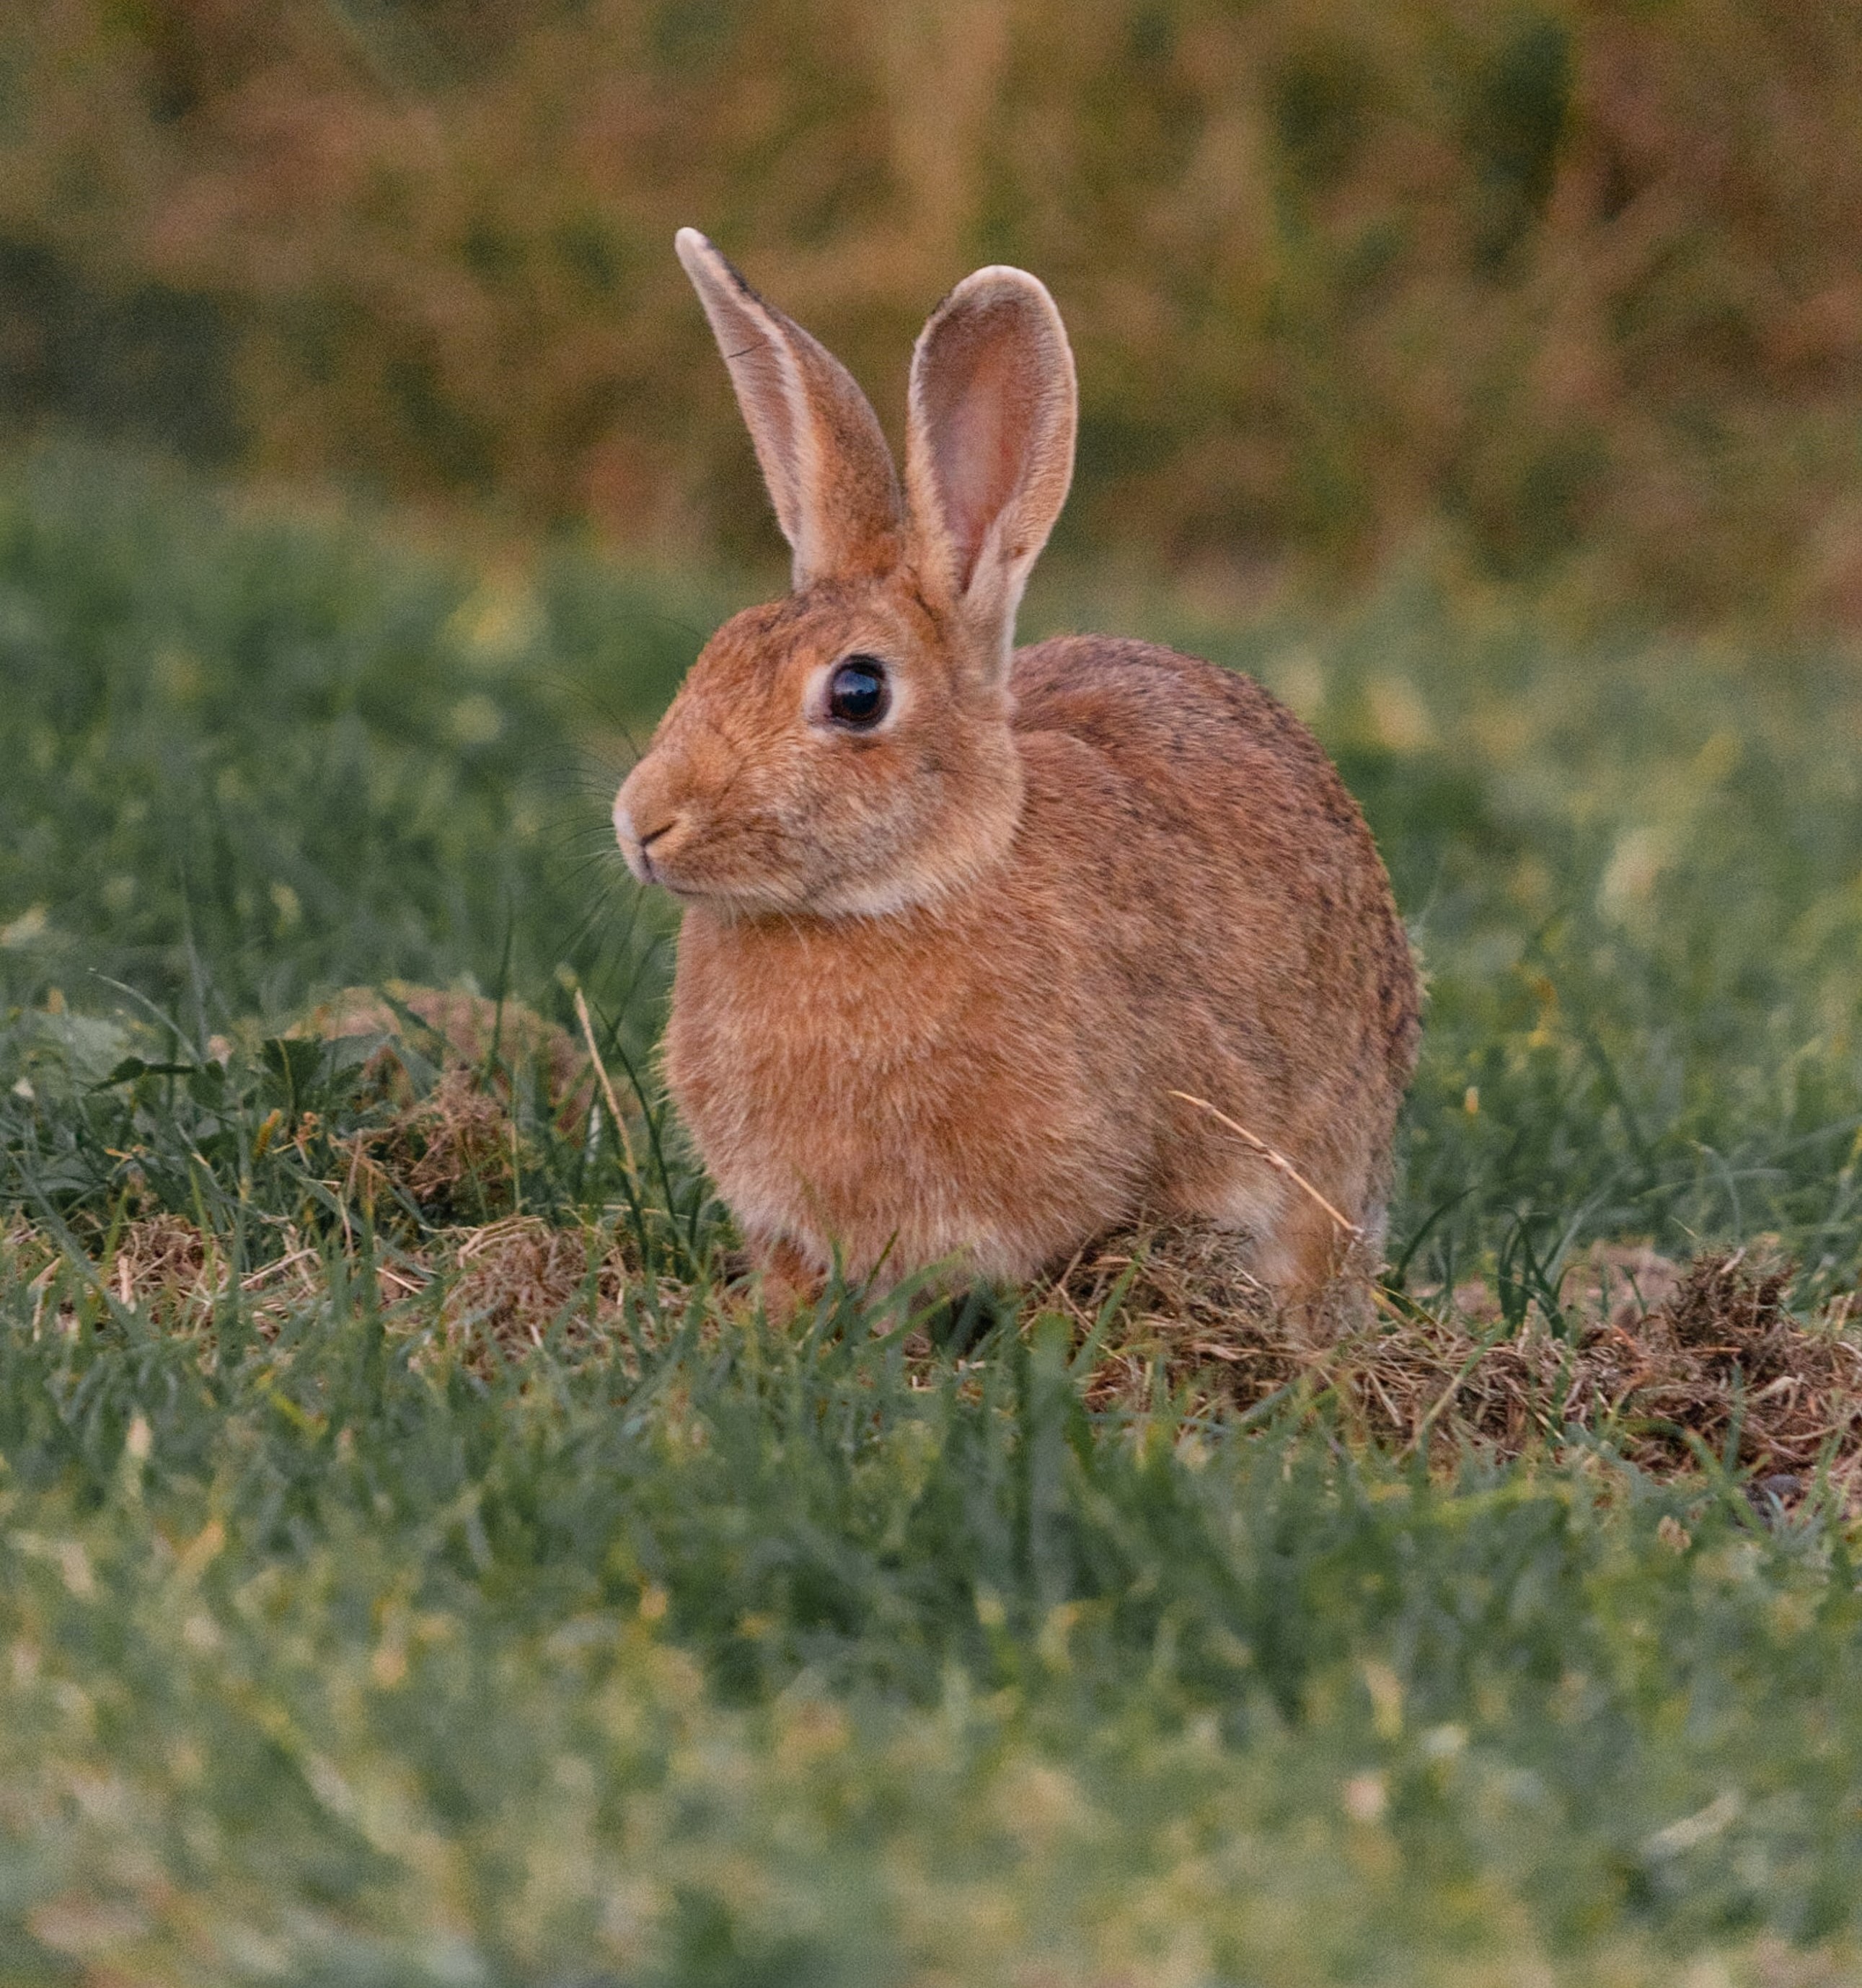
(943, 973)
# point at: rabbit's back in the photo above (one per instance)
(1263, 839)
(1236, 871)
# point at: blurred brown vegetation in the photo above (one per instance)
(1578, 285)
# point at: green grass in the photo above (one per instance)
(335, 1647)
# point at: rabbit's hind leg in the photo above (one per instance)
(1318, 1269)
(1311, 1261)
(791, 1284)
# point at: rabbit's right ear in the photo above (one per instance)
(820, 444)
(988, 448)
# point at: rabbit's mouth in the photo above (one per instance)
(650, 872)
(650, 849)
(661, 855)
(677, 849)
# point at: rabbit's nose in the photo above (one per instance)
(636, 842)
(666, 836)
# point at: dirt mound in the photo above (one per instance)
(464, 1030)
(453, 1069)
(1672, 1363)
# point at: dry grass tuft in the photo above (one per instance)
(453, 1151)
(468, 1031)
(1667, 1361)
(512, 1280)
(182, 1276)
(164, 1266)
(498, 1287)
(165, 1263)
(1182, 1298)
(1721, 1351)
(453, 1148)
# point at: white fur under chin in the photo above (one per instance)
(883, 897)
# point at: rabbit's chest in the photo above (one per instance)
(912, 1098)
(785, 1039)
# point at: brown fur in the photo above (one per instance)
(937, 982)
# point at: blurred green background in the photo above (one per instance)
(1571, 291)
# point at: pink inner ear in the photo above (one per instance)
(979, 422)
(763, 396)
(749, 347)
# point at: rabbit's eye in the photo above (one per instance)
(857, 697)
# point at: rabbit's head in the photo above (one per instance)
(847, 750)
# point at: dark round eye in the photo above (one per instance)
(857, 695)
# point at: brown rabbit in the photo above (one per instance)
(963, 921)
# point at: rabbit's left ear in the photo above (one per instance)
(820, 444)
(989, 447)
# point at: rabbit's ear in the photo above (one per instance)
(824, 456)
(988, 448)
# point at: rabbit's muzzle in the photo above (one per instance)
(648, 850)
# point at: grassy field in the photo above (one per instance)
(417, 1566)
